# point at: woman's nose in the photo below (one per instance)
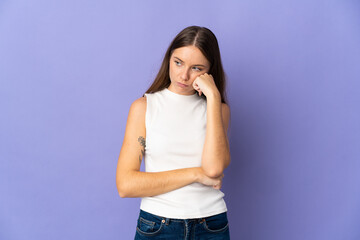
(184, 75)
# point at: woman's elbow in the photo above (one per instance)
(212, 171)
(121, 189)
(216, 171)
(122, 194)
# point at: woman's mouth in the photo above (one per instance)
(182, 85)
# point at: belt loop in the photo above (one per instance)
(167, 221)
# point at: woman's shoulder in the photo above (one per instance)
(138, 106)
(140, 100)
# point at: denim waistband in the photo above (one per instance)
(168, 220)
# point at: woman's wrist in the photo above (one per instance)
(197, 173)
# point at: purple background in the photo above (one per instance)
(69, 71)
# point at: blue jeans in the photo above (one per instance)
(150, 226)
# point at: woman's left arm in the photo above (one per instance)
(216, 151)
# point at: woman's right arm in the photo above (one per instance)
(130, 181)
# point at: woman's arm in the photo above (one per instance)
(216, 152)
(130, 181)
(147, 184)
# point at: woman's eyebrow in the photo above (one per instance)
(193, 65)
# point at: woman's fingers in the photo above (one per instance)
(218, 186)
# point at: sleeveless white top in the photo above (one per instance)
(175, 136)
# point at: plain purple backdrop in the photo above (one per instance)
(69, 71)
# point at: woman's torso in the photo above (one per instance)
(175, 136)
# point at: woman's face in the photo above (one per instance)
(186, 64)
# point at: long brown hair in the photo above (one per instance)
(206, 42)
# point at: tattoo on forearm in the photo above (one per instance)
(141, 140)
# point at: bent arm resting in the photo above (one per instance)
(216, 152)
(134, 184)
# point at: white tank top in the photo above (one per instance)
(175, 136)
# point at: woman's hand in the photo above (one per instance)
(204, 179)
(205, 84)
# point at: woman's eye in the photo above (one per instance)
(198, 69)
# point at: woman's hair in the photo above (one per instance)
(206, 42)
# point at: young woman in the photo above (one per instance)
(180, 127)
